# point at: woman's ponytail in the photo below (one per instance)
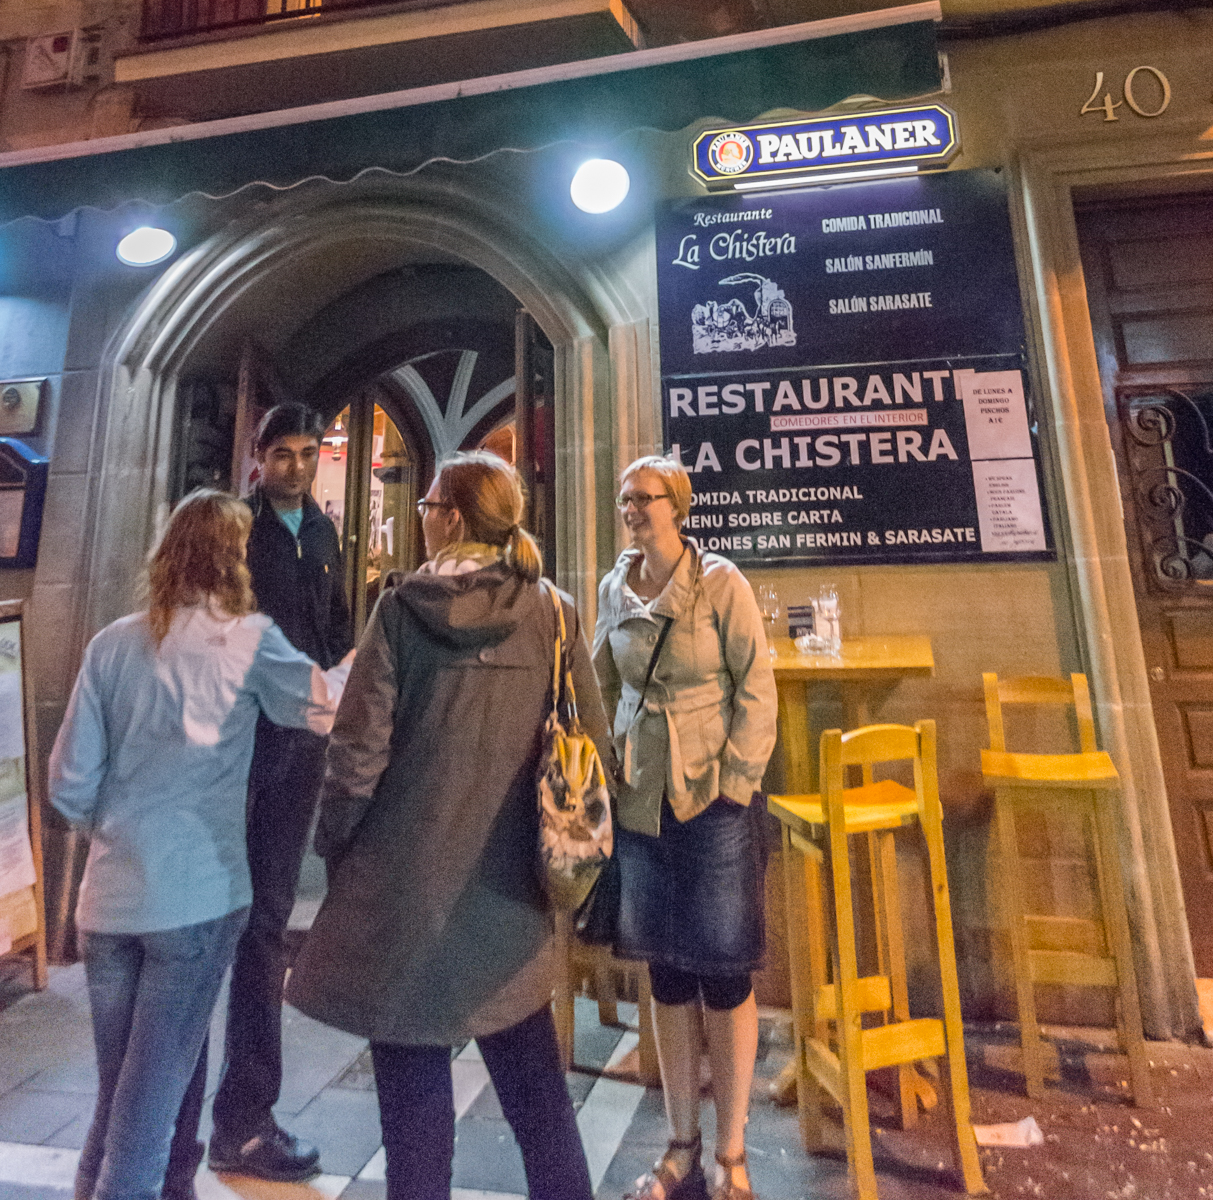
(523, 554)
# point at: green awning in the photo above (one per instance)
(601, 100)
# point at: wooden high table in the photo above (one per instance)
(822, 691)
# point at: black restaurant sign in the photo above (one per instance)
(843, 373)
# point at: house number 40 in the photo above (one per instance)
(1108, 106)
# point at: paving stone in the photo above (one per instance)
(1093, 1149)
(486, 1106)
(78, 1074)
(646, 1139)
(365, 1189)
(580, 1084)
(72, 1135)
(313, 1056)
(32, 1117)
(359, 1076)
(593, 1044)
(487, 1157)
(345, 1125)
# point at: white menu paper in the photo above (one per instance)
(1008, 505)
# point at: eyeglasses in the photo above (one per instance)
(639, 500)
(422, 505)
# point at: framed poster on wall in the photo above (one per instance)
(844, 373)
(22, 925)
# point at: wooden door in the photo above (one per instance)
(1149, 274)
(535, 422)
(259, 387)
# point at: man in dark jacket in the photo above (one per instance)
(295, 560)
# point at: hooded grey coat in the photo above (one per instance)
(435, 927)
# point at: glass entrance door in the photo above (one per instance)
(368, 487)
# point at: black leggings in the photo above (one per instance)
(417, 1112)
(720, 992)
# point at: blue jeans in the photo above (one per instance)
(151, 996)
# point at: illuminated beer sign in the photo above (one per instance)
(917, 135)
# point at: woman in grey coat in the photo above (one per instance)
(435, 928)
(684, 669)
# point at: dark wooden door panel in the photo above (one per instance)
(1160, 262)
(1149, 275)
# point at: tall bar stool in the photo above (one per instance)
(579, 962)
(1056, 949)
(833, 1050)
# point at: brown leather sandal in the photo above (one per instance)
(690, 1186)
(730, 1191)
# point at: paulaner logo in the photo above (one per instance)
(922, 134)
(730, 153)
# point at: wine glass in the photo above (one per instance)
(827, 610)
(769, 606)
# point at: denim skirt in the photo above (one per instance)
(692, 898)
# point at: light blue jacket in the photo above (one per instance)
(152, 761)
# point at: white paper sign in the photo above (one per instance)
(16, 857)
(996, 417)
(1008, 505)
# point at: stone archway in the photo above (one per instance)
(129, 490)
(605, 392)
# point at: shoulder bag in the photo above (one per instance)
(575, 832)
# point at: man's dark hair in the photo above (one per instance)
(289, 420)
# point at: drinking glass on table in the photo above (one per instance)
(829, 629)
(769, 606)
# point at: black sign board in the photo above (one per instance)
(843, 373)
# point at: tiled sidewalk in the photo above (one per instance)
(47, 1083)
(1096, 1146)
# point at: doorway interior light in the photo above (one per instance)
(599, 185)
(145, 246)
(834, 177)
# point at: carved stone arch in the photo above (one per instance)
(141, 365)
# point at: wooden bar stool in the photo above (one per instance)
(1057, 949)
(579, 961)
(832, 1049)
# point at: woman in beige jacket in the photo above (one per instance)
(683, 665)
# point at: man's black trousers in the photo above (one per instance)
(284, 785)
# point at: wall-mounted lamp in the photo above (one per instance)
(146, 246)
(599, 185)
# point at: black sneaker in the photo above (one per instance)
(272, 1154)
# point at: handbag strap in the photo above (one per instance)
(570, 692)
(665, 629)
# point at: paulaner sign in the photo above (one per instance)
(920, 134)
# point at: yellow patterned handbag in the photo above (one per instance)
(575, 833)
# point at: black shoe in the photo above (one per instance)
(272, 1154)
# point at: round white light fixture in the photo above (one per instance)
(599, 185)
(145, 246)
